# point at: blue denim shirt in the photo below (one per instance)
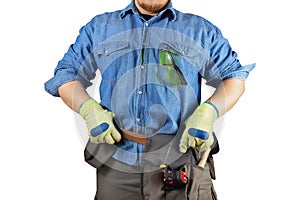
(134, 85)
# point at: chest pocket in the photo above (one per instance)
(187, 55)
(109, 51)
(174, 56)
(112, 54)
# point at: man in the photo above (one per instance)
(150, 125)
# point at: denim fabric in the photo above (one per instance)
(125, 48)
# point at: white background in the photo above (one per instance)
(41, 152)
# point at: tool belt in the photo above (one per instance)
(144, 140)
(98, 154)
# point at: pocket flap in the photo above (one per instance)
(112, 46)
(179, 48)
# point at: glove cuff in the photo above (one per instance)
(214, 107)
(209, 113)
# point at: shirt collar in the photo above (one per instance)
(131, 9)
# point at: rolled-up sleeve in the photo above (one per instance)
(76, 64)
(224, 63)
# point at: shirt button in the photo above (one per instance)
(140, 92)
(138, 119)
(142, 67)
(146, 24)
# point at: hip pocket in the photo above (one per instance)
(98, 154)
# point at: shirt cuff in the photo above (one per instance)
(52, 85)
(241, 72)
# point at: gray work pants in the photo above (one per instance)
(131, 183)
(116, 185)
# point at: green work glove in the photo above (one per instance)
(198, 128)
(99, 123)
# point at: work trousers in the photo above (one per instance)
(117, 180)
(116, 185)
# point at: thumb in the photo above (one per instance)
(100, 129)
(182, 148)
(116, 135)
(199, 134)
(183, 142)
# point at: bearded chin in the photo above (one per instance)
(155, 8)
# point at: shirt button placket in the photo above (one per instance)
(140, 116)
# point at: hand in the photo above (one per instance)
(198, 128)
(99, 123)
